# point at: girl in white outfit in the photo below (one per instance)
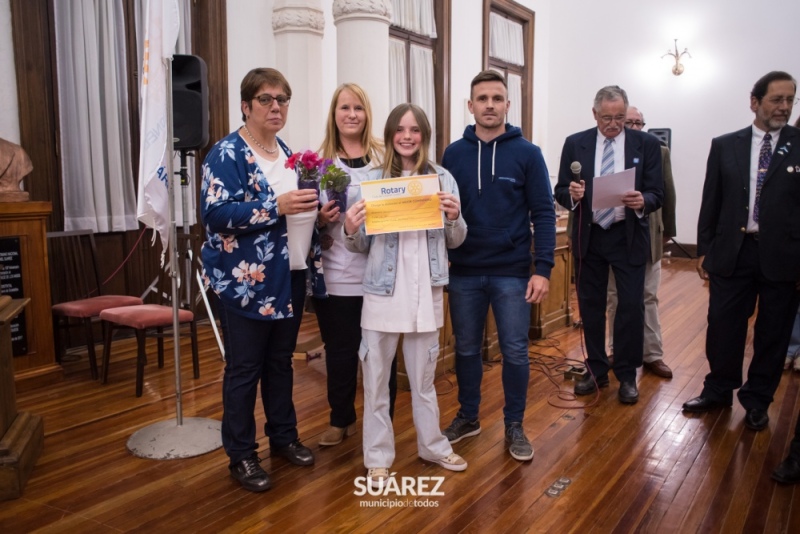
(403, 294)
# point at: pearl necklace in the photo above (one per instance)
(259, 145)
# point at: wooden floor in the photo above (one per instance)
(641, 468)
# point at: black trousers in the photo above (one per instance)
(339, 320)
(259, 351)
(608, 248)
(794, 446)
(732, 301)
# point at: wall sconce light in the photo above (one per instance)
(677, 68)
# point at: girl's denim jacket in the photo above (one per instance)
(379, 276)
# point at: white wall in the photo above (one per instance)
(732, 43)
(328, 78)
(251, 44)
(467, 61)
(541, 68)
(9, 108)
(580, 45)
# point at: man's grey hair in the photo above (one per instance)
(637, 109)
(610, 92)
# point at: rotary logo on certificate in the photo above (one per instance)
(402, 204)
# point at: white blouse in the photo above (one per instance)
(300, 226)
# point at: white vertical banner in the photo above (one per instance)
(162, 25)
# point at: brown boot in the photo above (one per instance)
(334, 435)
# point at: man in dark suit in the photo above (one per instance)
(748, 243)
(619, 238)
(788, 472)
(662, 228)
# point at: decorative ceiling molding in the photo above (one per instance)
(362, 9)
(298, 19)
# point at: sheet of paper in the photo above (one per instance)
(607, 190)
(402, 204)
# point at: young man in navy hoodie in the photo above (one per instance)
(504, 187)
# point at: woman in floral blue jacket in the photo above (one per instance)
(260, 249)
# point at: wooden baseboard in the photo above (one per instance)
(39, 377)
(680, 250)
(20, 447)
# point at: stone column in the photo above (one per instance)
(362, 51)
(298, 27)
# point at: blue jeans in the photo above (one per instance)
(469, 298)
(257, 350)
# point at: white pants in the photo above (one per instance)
(653, 348)
(420, 351)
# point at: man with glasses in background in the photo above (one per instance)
(617, 237)
(748, 248)
(662, 228)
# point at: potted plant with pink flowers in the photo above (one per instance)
(316, 173)
(308, 166)
(334, 182)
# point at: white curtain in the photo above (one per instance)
(423, 92)
(397, 73)
(415, 16)
(93, 111)
(514, 116)
(505, 40)
(183, 46)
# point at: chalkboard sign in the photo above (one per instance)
(11, 285)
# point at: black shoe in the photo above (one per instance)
(250, 475)
(461, 428)
(628, 392)
(587, 386)
(295, 452)
(517, 443)
(702, 404)
(788, 472)
(756, 419)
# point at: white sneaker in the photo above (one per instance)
(377, 477)
(787, 363)
(452, 462)
(797, 363)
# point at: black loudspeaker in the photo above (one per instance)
(664, 135)
(189, 102)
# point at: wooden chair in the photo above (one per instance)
(76, 289)
(155, 320)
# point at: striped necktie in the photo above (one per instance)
(764, 157)
(605, 217)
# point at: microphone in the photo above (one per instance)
(575, 167)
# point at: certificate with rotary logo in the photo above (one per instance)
(402, 204)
